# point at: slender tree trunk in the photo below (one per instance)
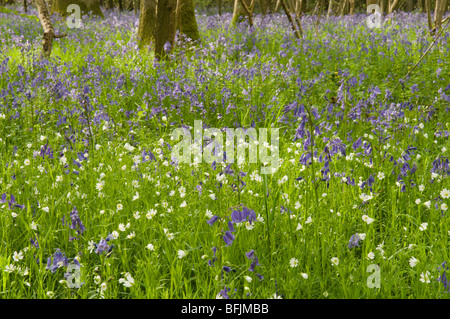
(49, 32)
(239, 10)
(428, 8)
(165, 27)
(121, 5)
(330, 8)
(441, 6)
(351, 7)
(291, 21)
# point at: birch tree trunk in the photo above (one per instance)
(49, 32)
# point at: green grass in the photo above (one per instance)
(336, 213)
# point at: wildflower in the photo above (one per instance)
(335, 261)
(103, 287)
(443, 278)
(27, 162)
(250, 254)
(293, 262)
(181, 254)
(370, 255)
(119, 206)
(381, 175)
(103, 247)
(136, 215)
(427, 204)
(418, 201)
(208, 214)
(275, 296)
(169, 235)
(423, 226)
(444, 206)
(299, 226)
(413, 262)
(445, 193)
(17, 256)
(213, 220)
(246, 214)
(128, 281)
(122, 227)
(365, 197)
(151, 213)
(367, 219)
(59, 260)
(308, 220)
(76, 221)
(228, 238)
(305, 275)
(254, 264)
(136, 197)
(131, 235)
(99, 186)
(223, 294)
(425, 277)
(354, 241)
(248, 278)
(150, 247)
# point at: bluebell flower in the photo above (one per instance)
(224, 292)
(254, 264)
(76, 221)
(103, 247)
(213, 220)
(238, 216)
(228, 238)
(354, 241)
(250, 254)
(59, 260)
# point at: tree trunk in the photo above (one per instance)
(267, 6)
(165, 27)
(395, 5)
(239, 10)
(147, 22)
(330, 8)
(351, 7)
(189, 25)
(409, 6)
(49, 32)
(441, 6)
(86, 6)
